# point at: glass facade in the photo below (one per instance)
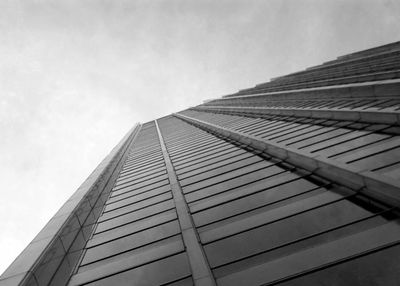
(293, 182)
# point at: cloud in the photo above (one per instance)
(76, 75)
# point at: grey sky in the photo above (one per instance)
(76, 75)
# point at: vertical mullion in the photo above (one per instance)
(201, 272)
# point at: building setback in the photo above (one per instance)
(291, 182)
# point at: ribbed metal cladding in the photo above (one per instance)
(138, 239)
(201, 272)
(254, 222)
(292, 182)
(358, 177)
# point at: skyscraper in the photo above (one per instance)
(291, 182)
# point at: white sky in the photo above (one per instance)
(76, 75)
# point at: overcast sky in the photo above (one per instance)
(76, 75)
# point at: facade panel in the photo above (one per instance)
(292, 182)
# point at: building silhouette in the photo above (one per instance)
(291, 182)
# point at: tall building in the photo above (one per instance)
(291, 182)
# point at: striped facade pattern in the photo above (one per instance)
(292, 182)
